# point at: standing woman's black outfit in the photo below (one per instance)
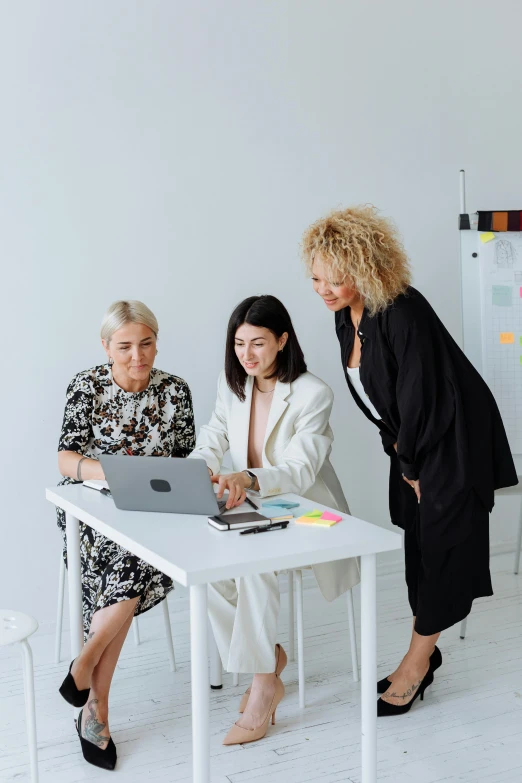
(437, 408)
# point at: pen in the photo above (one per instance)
(251, 504)
(265, 528)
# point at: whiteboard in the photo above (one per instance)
(492, 320)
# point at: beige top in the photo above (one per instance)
(259, 410)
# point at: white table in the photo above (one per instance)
(193, 554)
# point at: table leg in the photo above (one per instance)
(200, 685)
(368, 669)
(300, 637)
(291, 617)
(75, 584)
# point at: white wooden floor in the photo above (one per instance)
(468, 729)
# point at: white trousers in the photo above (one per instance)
(243, 613)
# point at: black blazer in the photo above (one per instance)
(436, 406)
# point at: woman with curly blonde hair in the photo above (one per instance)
(438, 421)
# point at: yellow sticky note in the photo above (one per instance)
(507, 338)
(487, 236)
(315, 521)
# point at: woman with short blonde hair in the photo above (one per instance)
(125, 406)
(438, 421)
(127, 311)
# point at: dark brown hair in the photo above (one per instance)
(268, 312)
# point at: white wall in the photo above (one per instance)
(174, 152)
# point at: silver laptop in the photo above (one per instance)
(168, 484)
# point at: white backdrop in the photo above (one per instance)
(174, 152)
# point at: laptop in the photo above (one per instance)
(171, 485)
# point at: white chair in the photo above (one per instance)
(16, 627)
(135, 625)
(300, 632)
(516, 490)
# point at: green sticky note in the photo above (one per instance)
(520, 340)
(315, 514)
(502, 295)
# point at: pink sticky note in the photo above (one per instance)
(521, 292)
(330, 517)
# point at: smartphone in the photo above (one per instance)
(238, 521)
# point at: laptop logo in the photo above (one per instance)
(160, 485)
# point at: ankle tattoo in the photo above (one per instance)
(92, 728)
(90, 635)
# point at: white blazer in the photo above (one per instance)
(298, 442)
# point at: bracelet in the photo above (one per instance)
(252, 477)
(78, 471)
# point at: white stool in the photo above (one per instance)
(516, 490)
(59, 621)
(17, 627)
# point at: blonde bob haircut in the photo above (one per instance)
(359, 246)
(124, 312)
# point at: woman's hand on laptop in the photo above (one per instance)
(236, 483)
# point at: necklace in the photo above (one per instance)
(263, 392)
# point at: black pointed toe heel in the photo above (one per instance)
(435, 663)
(70, 692)
(385, 709)
(105, 759)
(383, 685)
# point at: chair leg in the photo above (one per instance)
(235, 679)
(519, 543)
(59, 611)
(136, 629)
(168, 634)
(30, 709)
(463, 628)
(291, 617)
(300, 636)
(216, 667)
(353, 636)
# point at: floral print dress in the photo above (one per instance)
(102, 418)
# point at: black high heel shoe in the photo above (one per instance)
(385, 709)
(435, 663)
(70, 692)
(106, 759)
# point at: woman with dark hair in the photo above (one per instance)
(272, 416)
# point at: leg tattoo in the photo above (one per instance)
(92, 728)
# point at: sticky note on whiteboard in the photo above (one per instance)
(507, 338)
(487, 236)
(501, 295)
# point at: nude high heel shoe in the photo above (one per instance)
(281, 661)
(239, 736)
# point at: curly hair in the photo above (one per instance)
(358, 244)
